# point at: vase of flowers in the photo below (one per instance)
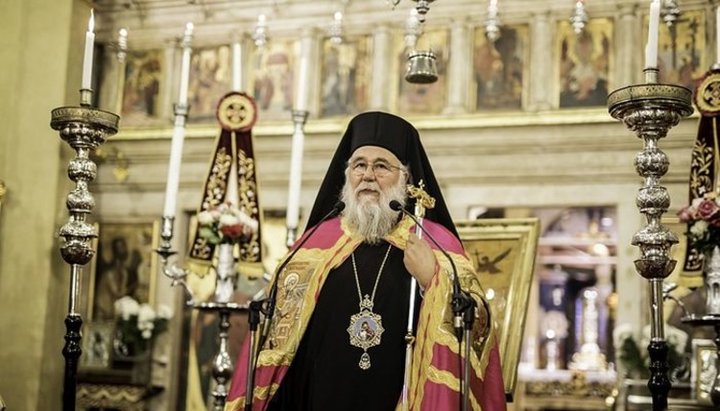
(136, 328)
(703, 219)
(225, 226)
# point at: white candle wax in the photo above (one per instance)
(88, 55)
(231, 195)
(236, 69)
(173, 180)
(303, 80)
(717, 35)
(185, 66)
(293, 206)
(651, 48)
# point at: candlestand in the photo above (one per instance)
(299, 118)
(84, 128)
(222, 363)
(650, 110)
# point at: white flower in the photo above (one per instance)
(146, 334)
(164, 312)
(205, 218)
(676, 338)
(699, 228)
(621, 333)
(146, 313)
(228, 219)
(126, 307)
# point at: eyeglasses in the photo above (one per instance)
(379, 168)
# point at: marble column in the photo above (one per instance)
(459, 68)
(628, 49)
(380, 86)
(541, 72)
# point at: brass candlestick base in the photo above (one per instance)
(84, 128)
(650, 110)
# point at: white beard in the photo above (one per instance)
(372, 219)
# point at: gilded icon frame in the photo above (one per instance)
(703, 369)
(512, 243)
(141, 239)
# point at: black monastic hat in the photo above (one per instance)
(399, 137)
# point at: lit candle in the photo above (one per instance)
(185, 67)
(717, 34)
(236, 69)
(88, 57)
(301, 99)
(176, 147)
(651, 48)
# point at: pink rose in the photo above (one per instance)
(686, 214)
(707, 210)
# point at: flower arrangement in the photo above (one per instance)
(634, 357)
(225, 224)
(703, 219)
(138, 324)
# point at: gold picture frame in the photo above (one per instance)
(130, 246)
(503, 252)
(703, 369)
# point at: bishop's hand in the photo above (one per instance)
(419, 260)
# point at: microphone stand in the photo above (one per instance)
(463, 306)
(267, 307)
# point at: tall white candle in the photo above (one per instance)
(717, 34)
(293, 205)
(88, 56)
(231, 195)
(303, 81)
(651, 48)
(176, 147)
(236, 65)
(173, 180)
(185, 66)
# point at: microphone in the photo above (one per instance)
(270, 307)
(459, 298)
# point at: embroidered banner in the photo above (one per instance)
(236, 114)
(704, 160)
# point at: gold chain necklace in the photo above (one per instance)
(366, 327)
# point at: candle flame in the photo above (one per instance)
(91, 22)
(123, 32)
(189, 28)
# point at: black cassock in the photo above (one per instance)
(325, 374)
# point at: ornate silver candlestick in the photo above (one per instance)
(222, 363)
(650, 110)
(84, 128)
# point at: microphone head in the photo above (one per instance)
(395, 205)
(339, 206)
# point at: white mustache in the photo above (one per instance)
(367, 186)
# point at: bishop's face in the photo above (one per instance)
(373, 169)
